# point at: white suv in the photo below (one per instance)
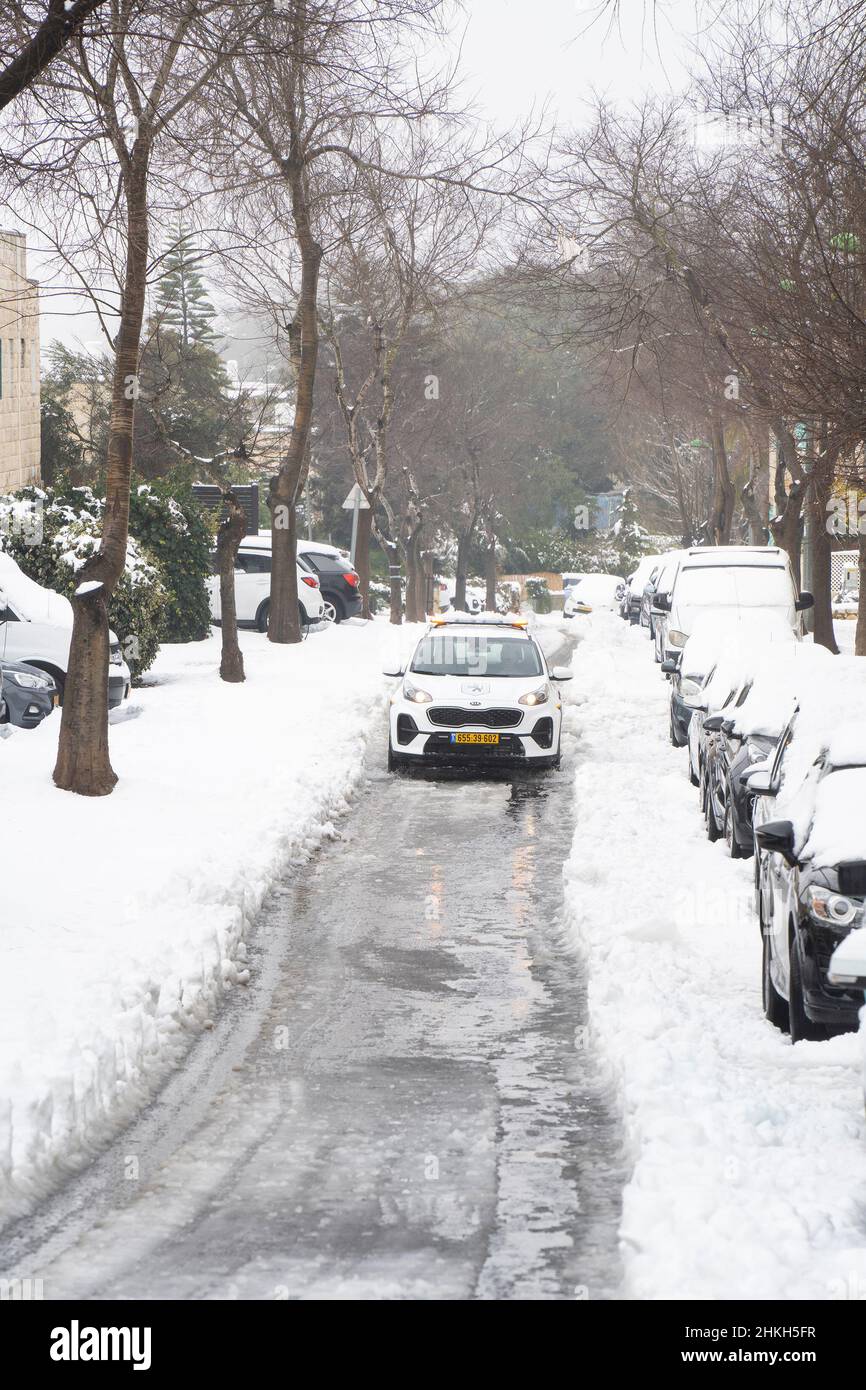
(742, 582)
(36, 628)
(477, 690)
(253, 586)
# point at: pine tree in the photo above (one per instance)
(182, 300)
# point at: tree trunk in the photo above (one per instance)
(284, 625)
(464, 541)
(787, 525)
(490, 599)
(231, 532)
(722, 515)
(822, 613)
(83, 764)
(414, 579)
(362, 555)
(755, 495)
(860, 635)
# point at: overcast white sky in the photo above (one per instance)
(518, 55)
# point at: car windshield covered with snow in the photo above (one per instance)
(739, 586)
(476, 654)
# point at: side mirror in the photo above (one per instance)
(392, 669)
(662, 602)
(713, 724)
(756, 779)
(777, 837)
(670, 666)
(561, 673)
(727, 727)
(806, 600)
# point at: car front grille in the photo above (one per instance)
(450, 717)
(852, 879)
(440, 746)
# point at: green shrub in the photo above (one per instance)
(538, 593)
(63, 532)
(175, 532)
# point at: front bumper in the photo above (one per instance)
(825, 1003)
(415, 740)
(26, 709)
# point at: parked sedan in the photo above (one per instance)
(593, 591)
(811, 872)
(631, 604)
(29, 693)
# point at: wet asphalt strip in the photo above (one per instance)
(402, 1104)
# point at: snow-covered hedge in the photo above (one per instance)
(68, 530)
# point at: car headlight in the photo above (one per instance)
(536, 697)
(419, 697)
(689, 687)
(756, 753)
(29, 682)
(831, 909)
(677, 639)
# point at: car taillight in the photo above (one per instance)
(308, 579)
(350, 577)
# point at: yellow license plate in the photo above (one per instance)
(474, 738)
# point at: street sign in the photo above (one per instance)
(356, 502)
(355, 499)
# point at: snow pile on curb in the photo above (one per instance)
(748, 1158)
(124, 917)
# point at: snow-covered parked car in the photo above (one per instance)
(746, 731)
(36, 628)
(476, 690)
(253, 587)
(30, 694)
(810, 836)
(594, 591)
(738, 638)
(632, 598)
(743, 581)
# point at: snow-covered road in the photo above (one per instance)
(457, 1072)
(749, 1162)
(403, 1104)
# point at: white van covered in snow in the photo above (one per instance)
(36, 627)
(737, 582)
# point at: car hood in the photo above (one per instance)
(469, 691)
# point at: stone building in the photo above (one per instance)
(19, 366)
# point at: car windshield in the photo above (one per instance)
(476, 654)
(740, 586)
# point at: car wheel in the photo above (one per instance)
(395, 764)
(674, 737)
(695, 781)
(775, 1007)
(339, 611)
(702, 788)
(263, 615)
(802, 1027)
(730, 837)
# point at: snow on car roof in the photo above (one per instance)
(34, 602)
(828, 822)
(733, 634)
(779, 679)
(713, 555)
